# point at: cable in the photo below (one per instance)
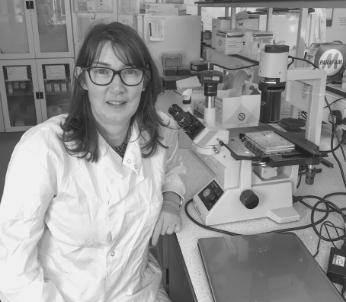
(206, 226)
(325, 224)
(238, 68)
(334, 132)
(304, 60)
(300, 173)
(332, 147)
(289, 65)
(333, 129)
(335, 194)
(337, 100)
(339, 144)
(330, 208)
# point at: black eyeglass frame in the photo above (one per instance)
(115, 72)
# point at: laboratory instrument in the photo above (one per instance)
(256, 168)
(210, 79)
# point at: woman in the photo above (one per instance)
(86, 192)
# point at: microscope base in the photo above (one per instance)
(216, 206)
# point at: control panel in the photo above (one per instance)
(210, 194)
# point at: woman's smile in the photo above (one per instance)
(115, 103)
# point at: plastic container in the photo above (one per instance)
(187, 105)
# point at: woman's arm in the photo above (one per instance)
(174, 166)
(173, 188)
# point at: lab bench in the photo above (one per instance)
(184, 274)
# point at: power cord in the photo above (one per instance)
(206, 227)
(332, 146)
(301, 59)
(237, 68)
(335, 101)
(333, 123)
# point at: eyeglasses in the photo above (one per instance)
(103, 76)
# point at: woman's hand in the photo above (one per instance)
(169, 221)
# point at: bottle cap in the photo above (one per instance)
(187, 100)
(187, 96)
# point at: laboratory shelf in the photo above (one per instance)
(302, 5)
(275, 3)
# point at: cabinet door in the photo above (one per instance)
(18, 87)
(178, 283)
(82, 22)
(85, 15)
(16, 37)
(52, 28)
(55, 80)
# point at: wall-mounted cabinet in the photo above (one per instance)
(35, 29)
(84, 16)
(34, 90)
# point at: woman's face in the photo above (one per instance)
(115, 103)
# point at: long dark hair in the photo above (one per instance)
(79, 129)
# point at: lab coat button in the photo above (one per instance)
(112, 253)
(129, 161)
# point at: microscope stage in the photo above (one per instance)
(266, 144)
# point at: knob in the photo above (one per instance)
(249, 199)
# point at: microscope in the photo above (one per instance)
(256, 168)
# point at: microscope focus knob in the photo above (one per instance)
(249, 199)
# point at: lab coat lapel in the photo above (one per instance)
(133, 155)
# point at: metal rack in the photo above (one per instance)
(303, 5)
(274, 3)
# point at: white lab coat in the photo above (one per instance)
(75, 231)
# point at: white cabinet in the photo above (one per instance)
(55, 81)
(34, 90)
(35, 29)
(36, 61)
(84, 16)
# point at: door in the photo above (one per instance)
(20, 101)
(85, 15)
(52, 28)
(16, 37)
(55, 81)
